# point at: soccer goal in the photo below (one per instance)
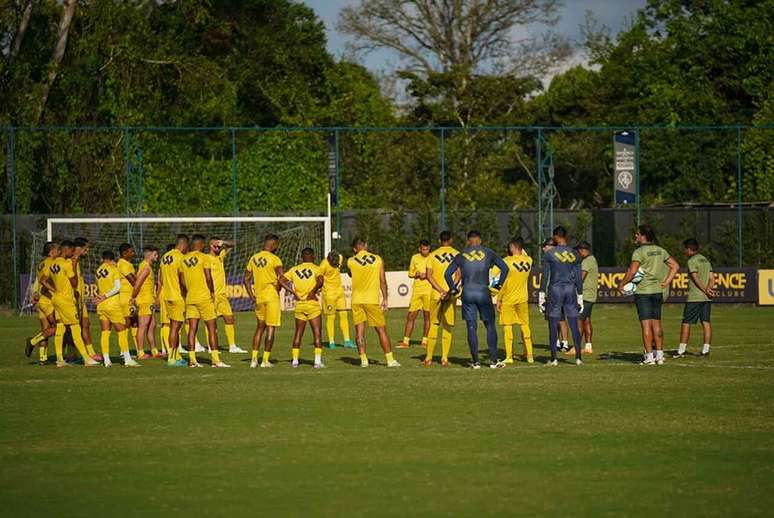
(247, 233)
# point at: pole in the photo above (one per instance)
(234, 190)
(127, 181)
(338, 191)
(442, 218)
(739, 195)
(539, 189)
(15, 247)
(637, 171)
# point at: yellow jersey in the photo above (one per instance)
(194, 264)
(263, 266)
(107, 274)
(218, 272)
(515, 290)
(419, 265)
(44, 270)
(304, 278)
(438, 261)
(147, 293)
(171, 263)
(61, 271)
(331, 275)
(81, 283)
(125, 268)
(366, 270)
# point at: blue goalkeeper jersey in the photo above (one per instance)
(474, 263)
(562, 265)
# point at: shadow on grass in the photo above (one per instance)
(621, 356)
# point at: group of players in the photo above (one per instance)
(191, 287)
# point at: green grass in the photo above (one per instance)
(694, 437)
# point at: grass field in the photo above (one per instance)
(693, 437)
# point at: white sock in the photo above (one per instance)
(565, 344)
(588, 345)
(705, 349)
(659, 355)
(127, 356)
(681, 348)
(649, 356)
(318, 359)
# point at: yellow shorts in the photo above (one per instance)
(333, 302)
(175, 310)
(371, 314)
(269, 311)
(223, 306)
(144, 309)
(45, 308)
(204, 310)
(110, 310)
(128, 309)
(66, 312)
(511, 314)
(307, 310)
(419, 301)
(442, 311)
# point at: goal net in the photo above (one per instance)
(295, 233)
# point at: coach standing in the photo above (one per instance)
(590, 276)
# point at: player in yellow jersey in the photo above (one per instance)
(512, 299)
(219, 249)
(126, 269)
(41, 295)
(369, 283)
(333, 301)
(305, 281)
(442, 303)
(200, 300)
(172, 296)
(66, 301)
(163, 318)
(109, 310)
(420, 295)
(81, 250)
(143, 298)
(261, 281)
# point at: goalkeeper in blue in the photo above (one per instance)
(561, 292)
(474, 263)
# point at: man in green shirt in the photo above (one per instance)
(659, 268)
(701, 289)
(590, 273)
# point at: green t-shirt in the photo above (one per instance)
(652, 259)
(701, 266)
(591, 282)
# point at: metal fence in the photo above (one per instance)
(399, 184)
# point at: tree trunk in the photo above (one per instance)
(19, 37)
(68, 12)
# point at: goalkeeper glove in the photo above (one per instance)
(580, 303)
(542, 302)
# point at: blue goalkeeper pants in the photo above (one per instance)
(553, 331)
(491, 339)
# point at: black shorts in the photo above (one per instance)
(649, 306)
(586, 313)
(697, 311)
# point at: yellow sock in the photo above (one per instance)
(446, 342)
(344, 325)
(178, 353)
(508, 339)
(407, 340)
(330, 327)
(317, 354)
(123, 341)
(192, 356)
(388, 357)
(363, 359)
(431, 339)
(90, 350)
(424, 340)
(215, 354)
(154, 350)
(254, 356)
(266, 355)
(35, 340)
(526, 334)
(75, 329)
(104, 343)
(59, 342)
(295, 353)
(230, 334)
(43, 352)
(165, 338)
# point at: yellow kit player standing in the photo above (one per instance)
(66, 302)
(109, 310)
(126, 269)
(219, 249)
(42, 291)
(143, 298)
(442, 304)
(171, 294)
(420, 295)
(333, 301)
(304, 281)
(261, 281)
(163, 318)
(368, 283)
(200, 300)
(81, 249)
(512, 300)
